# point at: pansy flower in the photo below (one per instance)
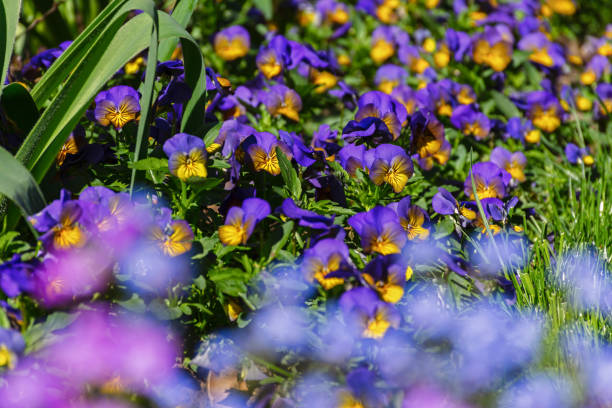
(443, 202)
(380, 230)
(574, 154)
(544, 110)
(375, 104)
(427, 134)
(333, 12)
(513, 163)
(232, 43)
(412, 218)
(269, 62)
(383, 44)
(261, 148)
(186, 156)
(172, 237)
(387, 11)
(117, 106)
(352, 157)
(107, 210)
(564, 7)
(12, 345)
(490, 181)
(73, 144)
(458, 43)
(325, 261)
(306, 218)
(471, 122)
(464, 94)
(387, 275)
(323, 79)
(594, 69)
(231, 135)
(410, 56)
(364, 311)
(543, 51)
(241, 221)
(493, 48)
(62, 224)
(436, 98)
(390, 164)
(16, 277)
(389, 76)
(522, 129)
(281, 100)
(406, 96)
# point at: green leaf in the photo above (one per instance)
(134, 304)
(444, 228)
(40, 334)
(150, 163)
(266, 7)
(212, 134)
(9, 17)
(505, 105)
(18, 184)
(290, 177)
(19, 107)
(287, 229)
(230, 281)
(181, 14)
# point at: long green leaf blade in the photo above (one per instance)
(9, 16)
(181, 14)
(18, 184)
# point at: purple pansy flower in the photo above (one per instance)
(367, 314)
(390, 164)
(490, 181)
(241, 221)
(232, 43)
(513, 163)
(186, 156)
(327, 263)
(117, 106)
(471, 122)
(380, 230)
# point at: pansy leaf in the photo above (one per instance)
(290, 176)
(150, 163)
(505, 105)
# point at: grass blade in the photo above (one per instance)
(9, 16)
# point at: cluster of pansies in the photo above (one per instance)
(356, 164)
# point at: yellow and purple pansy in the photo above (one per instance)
(62, 224)
(326, 262)
(380, 230)
(232, 43)
(412, 218)
(386, 275)
(490, 181)
(117, 106)
(471, 122)
(281, 100)
(389, 164)
(513, 163)
(186, 156)
(240, 221)
(367, 314)
(172, 237)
